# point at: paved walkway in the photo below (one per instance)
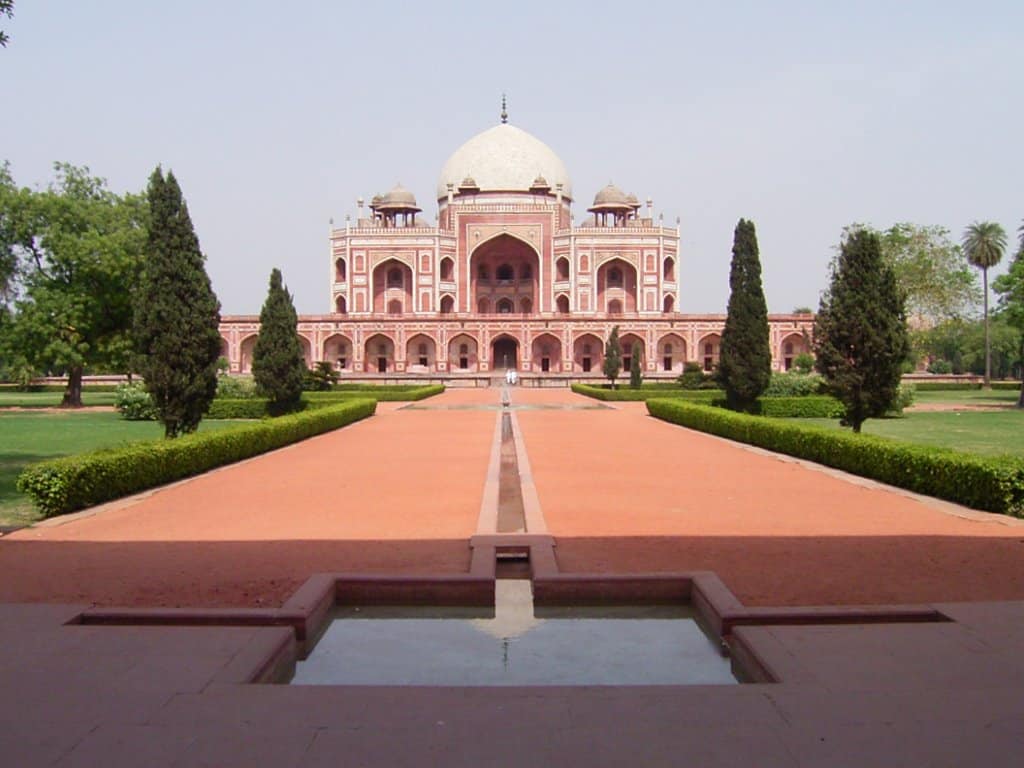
(402, 493)
(620, 491)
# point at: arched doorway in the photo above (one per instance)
(505, 271)
(392, 287)
(419, 355)
(504, 353)
(708, 349)
(379, 354)
(588, 353)
(338, 351)
(462, 353)
(631, 345)
(617, 287)
(793, 345)
(671, 353)
(245, 350)
(546, 353)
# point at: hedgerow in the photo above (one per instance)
(63, 485)
(797, 407)
(626, 394)
(995, 484)
(257, 407)
(389, 393)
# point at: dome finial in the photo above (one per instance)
(504, 110)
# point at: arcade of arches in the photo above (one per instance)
(542, 352)
(505, 274)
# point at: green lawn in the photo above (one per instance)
(984, 432)
(970, 396)
(13, 398)
(27, 437)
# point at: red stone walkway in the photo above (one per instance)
(620, 491)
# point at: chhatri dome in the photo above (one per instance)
(504, 159)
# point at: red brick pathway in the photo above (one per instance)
(620, 491)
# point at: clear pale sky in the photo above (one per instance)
(275, 117)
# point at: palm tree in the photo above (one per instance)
(984, 243)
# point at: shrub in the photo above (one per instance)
(319, 378)
(995, 484)
(905, 394)
(940, 367)
(802, 407)
(260, 408)
(134, 403)
(382, 394)
(63, 485)
(803, 363)
(236, 387)
(692, 377)
(619, 395)
(795, 384)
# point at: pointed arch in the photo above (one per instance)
(588, 353)
(420, 354)
(338, 351)
(671, 353)
(379, 354)
(463, 354)
(546, 353)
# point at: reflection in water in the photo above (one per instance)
(647, 645)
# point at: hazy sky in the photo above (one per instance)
(275, 117)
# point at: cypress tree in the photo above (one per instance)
(860, 333)
(636, 376)
(176, 314)
(745, 362)
(278, 364)
(612, 356)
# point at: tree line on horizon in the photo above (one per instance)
(74, 254)
(94, 280)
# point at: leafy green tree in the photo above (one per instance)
(636, 375)
(984, 243)
(1010, 288)
(803, 363)
(803, 310)
(6, 9)
(278, 364)
(612, 356)
(931, 270)
(745, 363)
(860, 332)
(71, 255)
(177, 314)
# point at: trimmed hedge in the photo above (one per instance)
(795, 407)
(256, 407)
(624, 393)
(379, 387)
(389, 393)
(8, 387)
(995, 484)
(806, 406)
(63, 485)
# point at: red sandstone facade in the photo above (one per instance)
(506, 279)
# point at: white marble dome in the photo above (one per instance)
(504, 159)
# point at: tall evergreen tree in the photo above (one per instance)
(612, 365)
(860, 333)
(278, 364)
(636, 375)
(177, 314)
(745, 362)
